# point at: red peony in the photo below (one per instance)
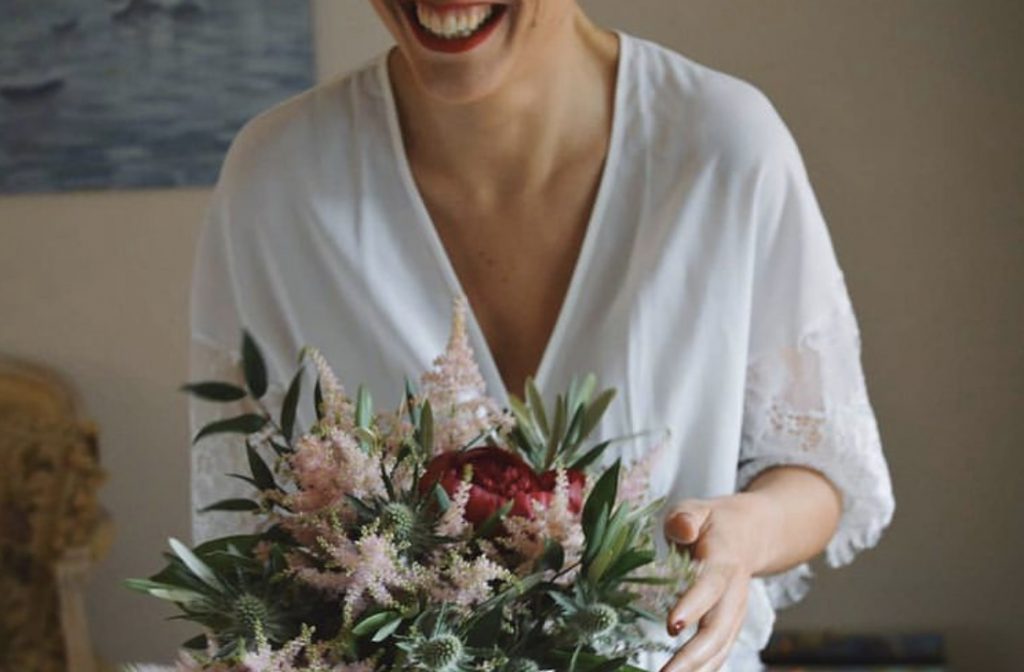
(498, 476)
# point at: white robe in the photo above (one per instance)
(707, 290)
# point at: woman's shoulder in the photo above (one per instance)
(689, 104)
(288, 140)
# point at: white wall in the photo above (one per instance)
(908, 113)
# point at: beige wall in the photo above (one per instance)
(908, 113)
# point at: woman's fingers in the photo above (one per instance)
(718, 660)
(698, 599)
(718, 628)
(687, 520)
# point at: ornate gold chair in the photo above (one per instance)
(52, 527)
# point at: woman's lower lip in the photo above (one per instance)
(452, 45)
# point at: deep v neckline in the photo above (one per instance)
(485, 356)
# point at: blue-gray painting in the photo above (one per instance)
(113, 94)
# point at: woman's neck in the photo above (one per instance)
(554, 109)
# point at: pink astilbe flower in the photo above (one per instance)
(467, 583)
(635, 482)
(300, 655)
(337, 409)
(556, 521)
(327, 468)
(457, 393)
(367, 572)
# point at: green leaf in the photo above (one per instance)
(590, 456)
(617, 538)
(253, 366)
(557, 430)
(198, 567)
(374, 622)
(427, 428)
(629, 561)
(485, 628)
(261, 473)
(163, 591)
(318, 400)
(584, 391)
(553, 557)
(410, 396)
(602, 496)
(290, 406)
(245, 479)
(247, 423)
(571, 438)
(532, 442)
(280, 448)
(387, 630)
(492, 521)
(444, 502)
(364, 418)
(197, 643)
(563, 601)
(214, 391)
(595, 411)
(364, 408)
(595, 534)
(232, 505)
(537, 405)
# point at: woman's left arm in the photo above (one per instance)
(785, 517)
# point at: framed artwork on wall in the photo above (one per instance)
(125, 94)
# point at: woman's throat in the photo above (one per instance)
(453, 28)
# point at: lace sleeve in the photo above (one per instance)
(808, 406)
(806, 402)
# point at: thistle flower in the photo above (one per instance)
(595, 619)
(442, 653)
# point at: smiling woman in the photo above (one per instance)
(606, 205)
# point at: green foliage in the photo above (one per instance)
(253, 366)
(247, 423)
(548, 440)
(215, 391)
(289, 408)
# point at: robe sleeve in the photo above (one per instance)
(806, 402)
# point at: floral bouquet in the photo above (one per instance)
(447, 535)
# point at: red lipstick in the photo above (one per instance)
(454, 45)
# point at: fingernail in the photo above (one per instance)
(681, 515)
(677, 627)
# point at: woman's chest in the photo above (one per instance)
(514, 257)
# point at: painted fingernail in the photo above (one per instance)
(677, 627)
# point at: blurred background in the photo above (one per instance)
(910, 117)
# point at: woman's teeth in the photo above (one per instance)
(453, 23)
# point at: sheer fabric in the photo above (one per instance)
(707, 292)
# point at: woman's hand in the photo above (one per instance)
(786, 515)
(722, 537)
